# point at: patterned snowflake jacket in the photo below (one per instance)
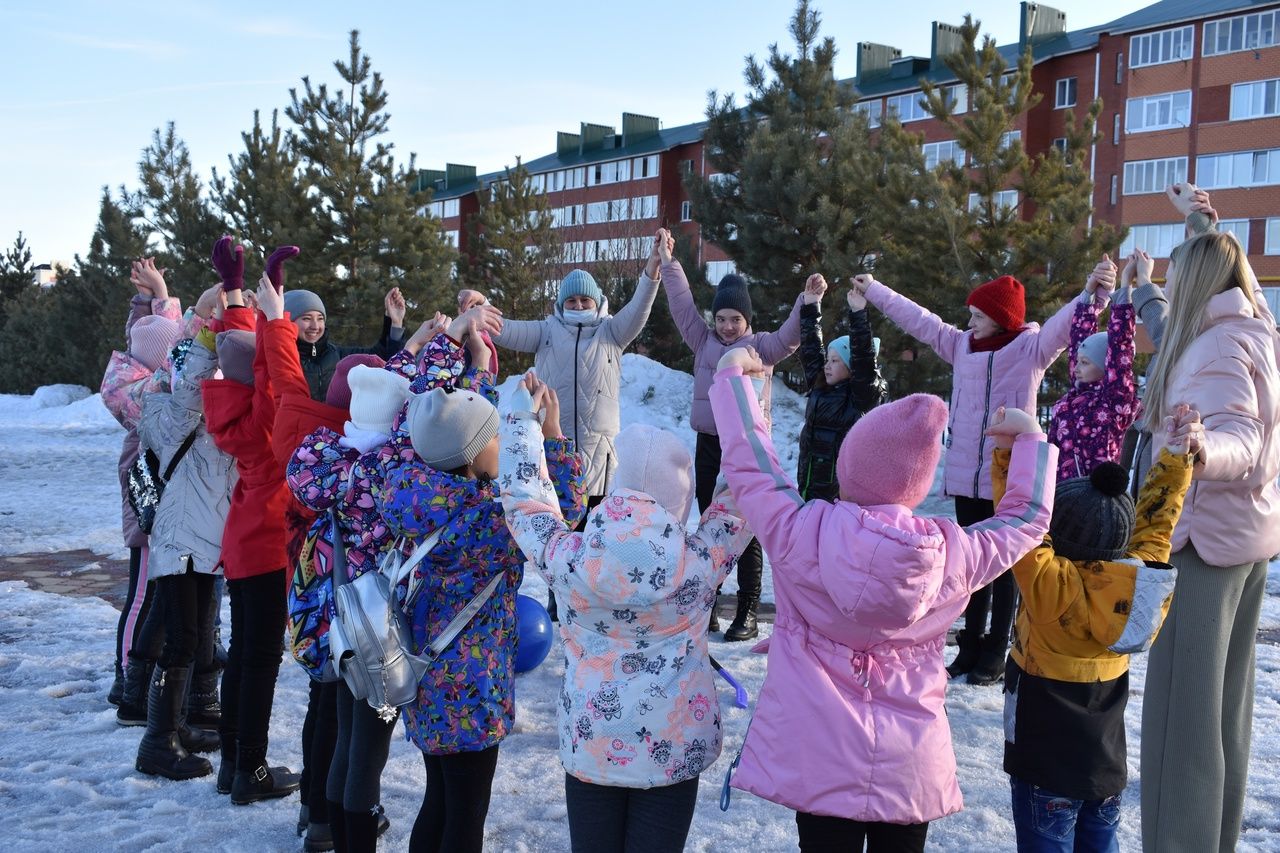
(1089, 422)
(638, 706)
(466, 701)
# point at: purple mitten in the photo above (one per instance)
(275, 264)
(229, 263)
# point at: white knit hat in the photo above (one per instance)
(655, 462)
(376, 397)
(449, 429)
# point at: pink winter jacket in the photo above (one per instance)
(1229, 374)
(981, 381)
(850, 721)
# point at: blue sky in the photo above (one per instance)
(477, 82)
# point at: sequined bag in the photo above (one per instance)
(145, 484)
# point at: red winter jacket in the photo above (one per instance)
(240, 419)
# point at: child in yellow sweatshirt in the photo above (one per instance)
(1096, 590)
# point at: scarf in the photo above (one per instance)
(993, 343)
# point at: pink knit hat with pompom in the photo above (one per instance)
(891, 453)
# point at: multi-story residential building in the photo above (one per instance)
(1190, 91)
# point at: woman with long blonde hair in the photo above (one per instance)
(1219, 355)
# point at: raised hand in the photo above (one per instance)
(1008, 424)
(862, 282)
(208, 301)
(664, 244)
(857, 301)
(814, 289)
(1181, 195)
(275, 264)
(1103, 276)
(228, 261)
(744, 357)
(468, 299)
(1145, 266)
(476, 346)
(148, 280)
(270, 299)
(487, 318)
(395, 307)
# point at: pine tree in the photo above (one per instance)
(16, 273)
(369, 236)
(797, 173)
(947, 229)
(171, 202)
(514, 252)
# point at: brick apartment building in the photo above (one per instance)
(1190, 91)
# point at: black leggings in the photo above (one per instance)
(136, 604)
(364, 740)
(609, 819)
(456, 802)
(187, 603)
(823, 834)
(1000, 597)
(253, 659)
(706, 467)
(319, 735)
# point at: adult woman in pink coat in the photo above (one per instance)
(999, 360)
(1218, 354)
(850, 729)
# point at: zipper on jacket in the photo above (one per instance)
(578, 340)
(986, 417)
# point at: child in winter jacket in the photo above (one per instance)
(844, 383)
(466, 699)
(639, 719)
(999, 361)
(1096, 590)
(731, 313)
(1089, 422)
(865, 593)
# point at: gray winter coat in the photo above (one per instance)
(194, 506)
(583, 363)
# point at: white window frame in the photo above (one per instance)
(1114, 181)
(1260, 168)
(717, 270)
(1177, 103)
(1003, 199)
(946, 151)
(1157, 239)
(873, 110)
(1115, 129)
(959, 97)
(913, 100)
(1238, 228)
(1163, 46)
(686, 211)
(1242, 32)
(1009, 137)
(1064, 88)
(1255, 99)
(1272, 246)
(1144, 177)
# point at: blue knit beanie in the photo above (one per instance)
(299, 302)
(1094, 348)
(579, 283)
(841, 347)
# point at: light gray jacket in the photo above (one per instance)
(194, 506)
(583, 363)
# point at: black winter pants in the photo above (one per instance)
(1000, 597)
(187, 603)
(706, 468)
(823, 834)
(364, 740)
(319, 737)
(456, 802)
(253, 659)
(608, 819)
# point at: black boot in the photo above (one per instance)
(990, 666)
(744, 622)
(304, 817)
(219, 650)
(713, 627)
(362, 830)
(384, 823)
(117, 686)
(970, 644)
(320, 837)
(227, 766)
(133, 701)
(254, 780)
(161, 752)
(551, 606)
(203, 709)
(196, 740)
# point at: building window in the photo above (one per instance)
(1238, 228)
(1119, 68)
(447, 209)
(937, 153)
(1004, 199)
(1238, 169)
(645, 167)
(1158, 112)
(1115, 129)
(1113, 190)
(717, 270)
(958, 97)
(686, 167)
(1164, 46)
(1157, 240)
(1060, 144)
(1152, 176)
(1065, 93)
(1007, 139)
(1273, 236)
(909, 107)
(1245, 32)
(686, 211)
(1257, 99)
(452, 238)
(872, 110)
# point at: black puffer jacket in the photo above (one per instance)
(833, 409)
(320, 359)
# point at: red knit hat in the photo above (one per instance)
(889, 456)
(1003, 300)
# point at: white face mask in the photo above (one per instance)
(578, 316)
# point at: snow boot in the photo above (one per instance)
(304, 816)
(255, 781)
(990, 666)
(161, 752)
(970, 644)
(203, 709)
(227, 766)
(713, 627)
(117, 686)
(744, 623)
(320, 837)
(132, 710)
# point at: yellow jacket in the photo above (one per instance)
(1078, 621)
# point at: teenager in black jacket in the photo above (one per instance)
(844, 383)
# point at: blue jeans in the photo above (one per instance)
(608, 819)
(1048, 823)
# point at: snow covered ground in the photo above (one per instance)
(66, 769)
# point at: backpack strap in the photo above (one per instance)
(181, 452)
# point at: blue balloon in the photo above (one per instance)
(534, 633)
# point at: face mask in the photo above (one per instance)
(578, 316)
